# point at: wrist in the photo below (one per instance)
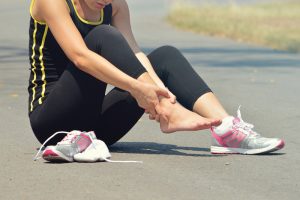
(133, 86)
(160, 84)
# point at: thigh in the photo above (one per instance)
(74, 102)
(120, 112)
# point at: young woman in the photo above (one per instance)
(77, 47)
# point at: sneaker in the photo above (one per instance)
(74, 142)
(97, 151)
(239, 138)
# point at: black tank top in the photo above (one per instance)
(47, 59)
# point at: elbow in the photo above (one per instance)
(79, 59)
(78, 62)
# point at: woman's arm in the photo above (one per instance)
(55, 14)
(121, 20)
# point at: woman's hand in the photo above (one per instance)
(172, 96)
(157, 116)
(147, 95)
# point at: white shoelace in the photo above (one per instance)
(245, 127)
(69, 138)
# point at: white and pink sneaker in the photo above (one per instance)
(234, 136)
(73, 143)
(77, 146)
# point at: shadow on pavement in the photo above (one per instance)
(160, 149)
(271, 154)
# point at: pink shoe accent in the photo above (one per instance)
(84, 142)
(49, 152)
(220, 138)
(234, 140)
(281, 145)
(231, 139)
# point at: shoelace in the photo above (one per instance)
(42, 146)
(245, 127)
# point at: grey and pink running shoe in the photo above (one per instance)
(74, 142)
(241, 139)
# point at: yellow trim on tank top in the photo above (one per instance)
(42, 65)
(33, 65)
(88, 22)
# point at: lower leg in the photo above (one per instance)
(179, 76)
(209, 106)
(120, 112)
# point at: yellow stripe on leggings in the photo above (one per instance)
(42, 65)
(33, 69)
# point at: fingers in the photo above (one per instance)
(172, 96)
(157, 118)
(151, 117)
(153, 112)
(173, 99)
(163, 92)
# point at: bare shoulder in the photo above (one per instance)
(118, 5)
(37, 7)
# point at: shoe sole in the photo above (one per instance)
(52, 155)
(226, 150)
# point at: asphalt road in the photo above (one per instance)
(178, 166)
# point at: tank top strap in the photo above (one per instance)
(107, 14)
(71, 7)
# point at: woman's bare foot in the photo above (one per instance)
(175, 117)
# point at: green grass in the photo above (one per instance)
(275, 25)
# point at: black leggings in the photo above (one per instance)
(77, 101)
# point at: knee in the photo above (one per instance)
(104, 33)
(164, 57)
(107, 30)
(167, 50)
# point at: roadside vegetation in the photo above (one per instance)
(275, 25)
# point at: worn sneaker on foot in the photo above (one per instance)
(74, 142)
(237, 137)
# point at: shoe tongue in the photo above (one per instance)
(226, 125)
(228, 121)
